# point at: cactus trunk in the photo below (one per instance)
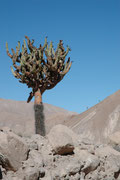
(38, 97)
(39, 114)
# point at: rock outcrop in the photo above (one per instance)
(40, 158)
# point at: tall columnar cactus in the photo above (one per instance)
(39, 73)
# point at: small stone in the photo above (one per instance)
(41, 172)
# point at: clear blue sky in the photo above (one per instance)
(90, 27)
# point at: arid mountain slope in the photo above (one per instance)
(98, 122)
(19, 116)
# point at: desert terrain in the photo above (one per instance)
(76, 146)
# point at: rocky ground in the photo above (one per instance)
(61, 155)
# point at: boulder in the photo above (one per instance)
(36, 158)
(93, 175)
(60, 138)
(13, 148)
(73, 167)
(31, 143)
(34, 161)
(28, 173)
(31, 173)
(106, 151)
(44, 148)
(114, 140)
(112, 164)
(39, 140)
(5, 163)
(10, 175)
(89, 161)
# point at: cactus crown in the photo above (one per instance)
(32, 68)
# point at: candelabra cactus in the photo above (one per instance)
(39, 73)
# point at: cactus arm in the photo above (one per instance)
(25, 46)
(53, 52)
(46, 64)
(45, 44)
(30, 97)
(30, 45)
(66, 53)
(18, 48)
(32, 41)
(7, 50)
(50, 48)
(17, 67)
(15, 73)
(56, 63)
(14, 56)
(19, 45)
(66, 69)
